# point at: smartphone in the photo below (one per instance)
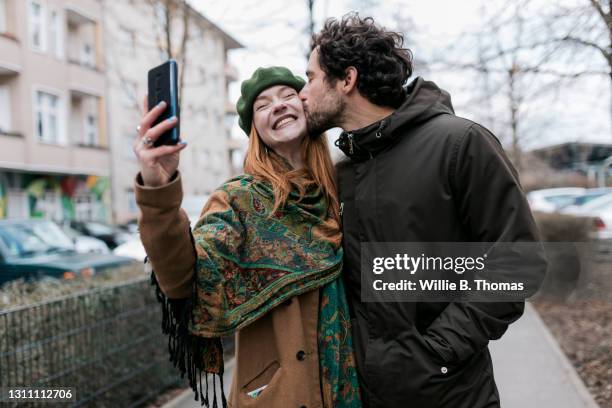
(163, 82)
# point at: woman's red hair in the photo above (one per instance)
(318, 169)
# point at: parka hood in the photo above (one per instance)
(424, 100)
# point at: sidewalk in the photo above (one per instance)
(531, 371)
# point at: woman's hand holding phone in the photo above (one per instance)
(157, 164)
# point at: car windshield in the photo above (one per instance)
(30, 239)
(587, 198)
(561, 200)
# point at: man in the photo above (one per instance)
(415, 172)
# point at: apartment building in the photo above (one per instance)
(135, 42)
(54, 156)
(72, 78)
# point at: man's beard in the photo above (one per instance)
(325, 119)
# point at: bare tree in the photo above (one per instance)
(172, 40)
(515, 60)
(565, 38)
(598, 33)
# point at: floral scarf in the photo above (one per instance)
(250, 260)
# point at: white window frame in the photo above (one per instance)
(91, 131)
(56, 33)
(3, 16)
(42, 26)
(5, 108)
(51, 205)
(88, 58)
(84, 207)
(61, 116)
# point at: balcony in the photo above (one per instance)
(84, 48)
(13, 152)
(82, 11)
(10, 59)
(84, 80)
(68, 159)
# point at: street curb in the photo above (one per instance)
(570, 371)
(187, 395)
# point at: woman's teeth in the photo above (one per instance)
(284, 122)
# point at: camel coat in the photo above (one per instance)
(278, 350)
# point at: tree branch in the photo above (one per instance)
(601, 12)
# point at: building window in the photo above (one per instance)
(56, 35)
(37, 26)
(91, 130)
(84, 206)
(49, 206)
(47, 117)
(3, 12)
(5, 109)
(87, 56)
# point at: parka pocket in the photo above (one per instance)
(439, 354)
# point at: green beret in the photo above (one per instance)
(262, 79)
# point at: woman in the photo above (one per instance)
(263, 261)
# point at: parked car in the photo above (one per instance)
(553, 199)
(31, 249)
(112, 236)
(600, 209)
(83, 243)
(134, 249)
(589, 195)
(131, 227)
(131, 249)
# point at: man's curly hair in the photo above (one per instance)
(383, 65)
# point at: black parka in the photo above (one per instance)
(425, 175)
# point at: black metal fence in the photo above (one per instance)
(105, 343)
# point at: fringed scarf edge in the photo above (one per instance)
(186, 349)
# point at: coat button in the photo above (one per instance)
(300, 355)
(444, 370)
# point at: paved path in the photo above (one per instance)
(530, 369)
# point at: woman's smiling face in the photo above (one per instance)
(278, 116)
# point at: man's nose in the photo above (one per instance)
(302, 94)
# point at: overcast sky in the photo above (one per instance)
(274, 33)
